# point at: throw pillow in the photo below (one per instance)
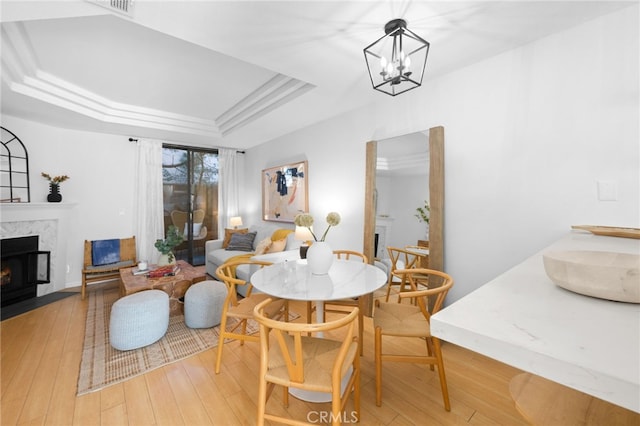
(229, 232)
(277, 246)
(105, 252)
(263, 246)
(242, 241)
(196, 229)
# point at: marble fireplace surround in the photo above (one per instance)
(50, 222)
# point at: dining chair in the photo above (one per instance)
(291, 358)
(422, 251)
(402, 320)
(236, 312)
(402, 258)
(179, 219)
(333, 305)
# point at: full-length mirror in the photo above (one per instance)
(402, 174)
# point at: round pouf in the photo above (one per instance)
(203, 304)
(139, 319)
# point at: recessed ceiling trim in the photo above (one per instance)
(261, 101)
(251, 98)
(286, 99)
(404, 162)
(21, 74)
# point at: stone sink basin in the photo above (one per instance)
(602, 274)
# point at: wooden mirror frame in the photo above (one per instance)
(436, 201)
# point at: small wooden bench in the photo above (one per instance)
(93, 273)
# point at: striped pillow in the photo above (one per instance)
(242, 242)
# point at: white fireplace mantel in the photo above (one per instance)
(383, 229)
(50, 221)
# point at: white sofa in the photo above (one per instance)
(215, 255)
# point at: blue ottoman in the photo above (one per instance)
(139, 319)
(203, 304)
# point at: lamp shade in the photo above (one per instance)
(396, 61)
(303, 233)
(235, 221)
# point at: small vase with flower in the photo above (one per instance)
(319, 255)
(54, 187)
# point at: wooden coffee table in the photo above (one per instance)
(175, 286)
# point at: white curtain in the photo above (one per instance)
(228, 204)
(149, 214)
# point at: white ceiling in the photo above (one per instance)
(237, 73)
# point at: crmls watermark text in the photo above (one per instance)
(328, 417)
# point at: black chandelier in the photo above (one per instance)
(396, 61)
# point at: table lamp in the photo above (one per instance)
(304, 234)
(235, 221)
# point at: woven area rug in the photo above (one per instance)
(103, 365)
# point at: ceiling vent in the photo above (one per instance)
(123, 7)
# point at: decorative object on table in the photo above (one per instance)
(320, 258)
(305, 235)
(54, 187)
(610, 231)
(169, 270)
(284, 192)
(165, 247)
(601, 274)
(396, 61)
(320, 254)
(235, 221)
(423, 214)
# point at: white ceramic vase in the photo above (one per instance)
(319, 258)
(163, 260)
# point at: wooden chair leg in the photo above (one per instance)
(378, 360)
(356, 388)
(309, 312)
(443, 380)
(429, 350)
(262, 400)
(285, 396)
(221, 338)
(386, 299)
(361, 332)
(83, 287)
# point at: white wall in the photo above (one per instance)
(528, 134)
(101, 184)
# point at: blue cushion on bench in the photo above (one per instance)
(104, 252)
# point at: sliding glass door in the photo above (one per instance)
(190, 192)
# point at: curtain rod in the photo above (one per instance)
(136, 140)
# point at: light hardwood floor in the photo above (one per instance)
(41, 352)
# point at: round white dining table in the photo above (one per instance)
(294, 281)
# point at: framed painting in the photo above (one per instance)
(284, 192)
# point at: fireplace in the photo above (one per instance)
(23, 268)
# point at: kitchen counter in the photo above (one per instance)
(523, 319)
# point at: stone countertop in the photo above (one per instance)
(523, 319)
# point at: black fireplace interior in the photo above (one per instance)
(23, 268)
